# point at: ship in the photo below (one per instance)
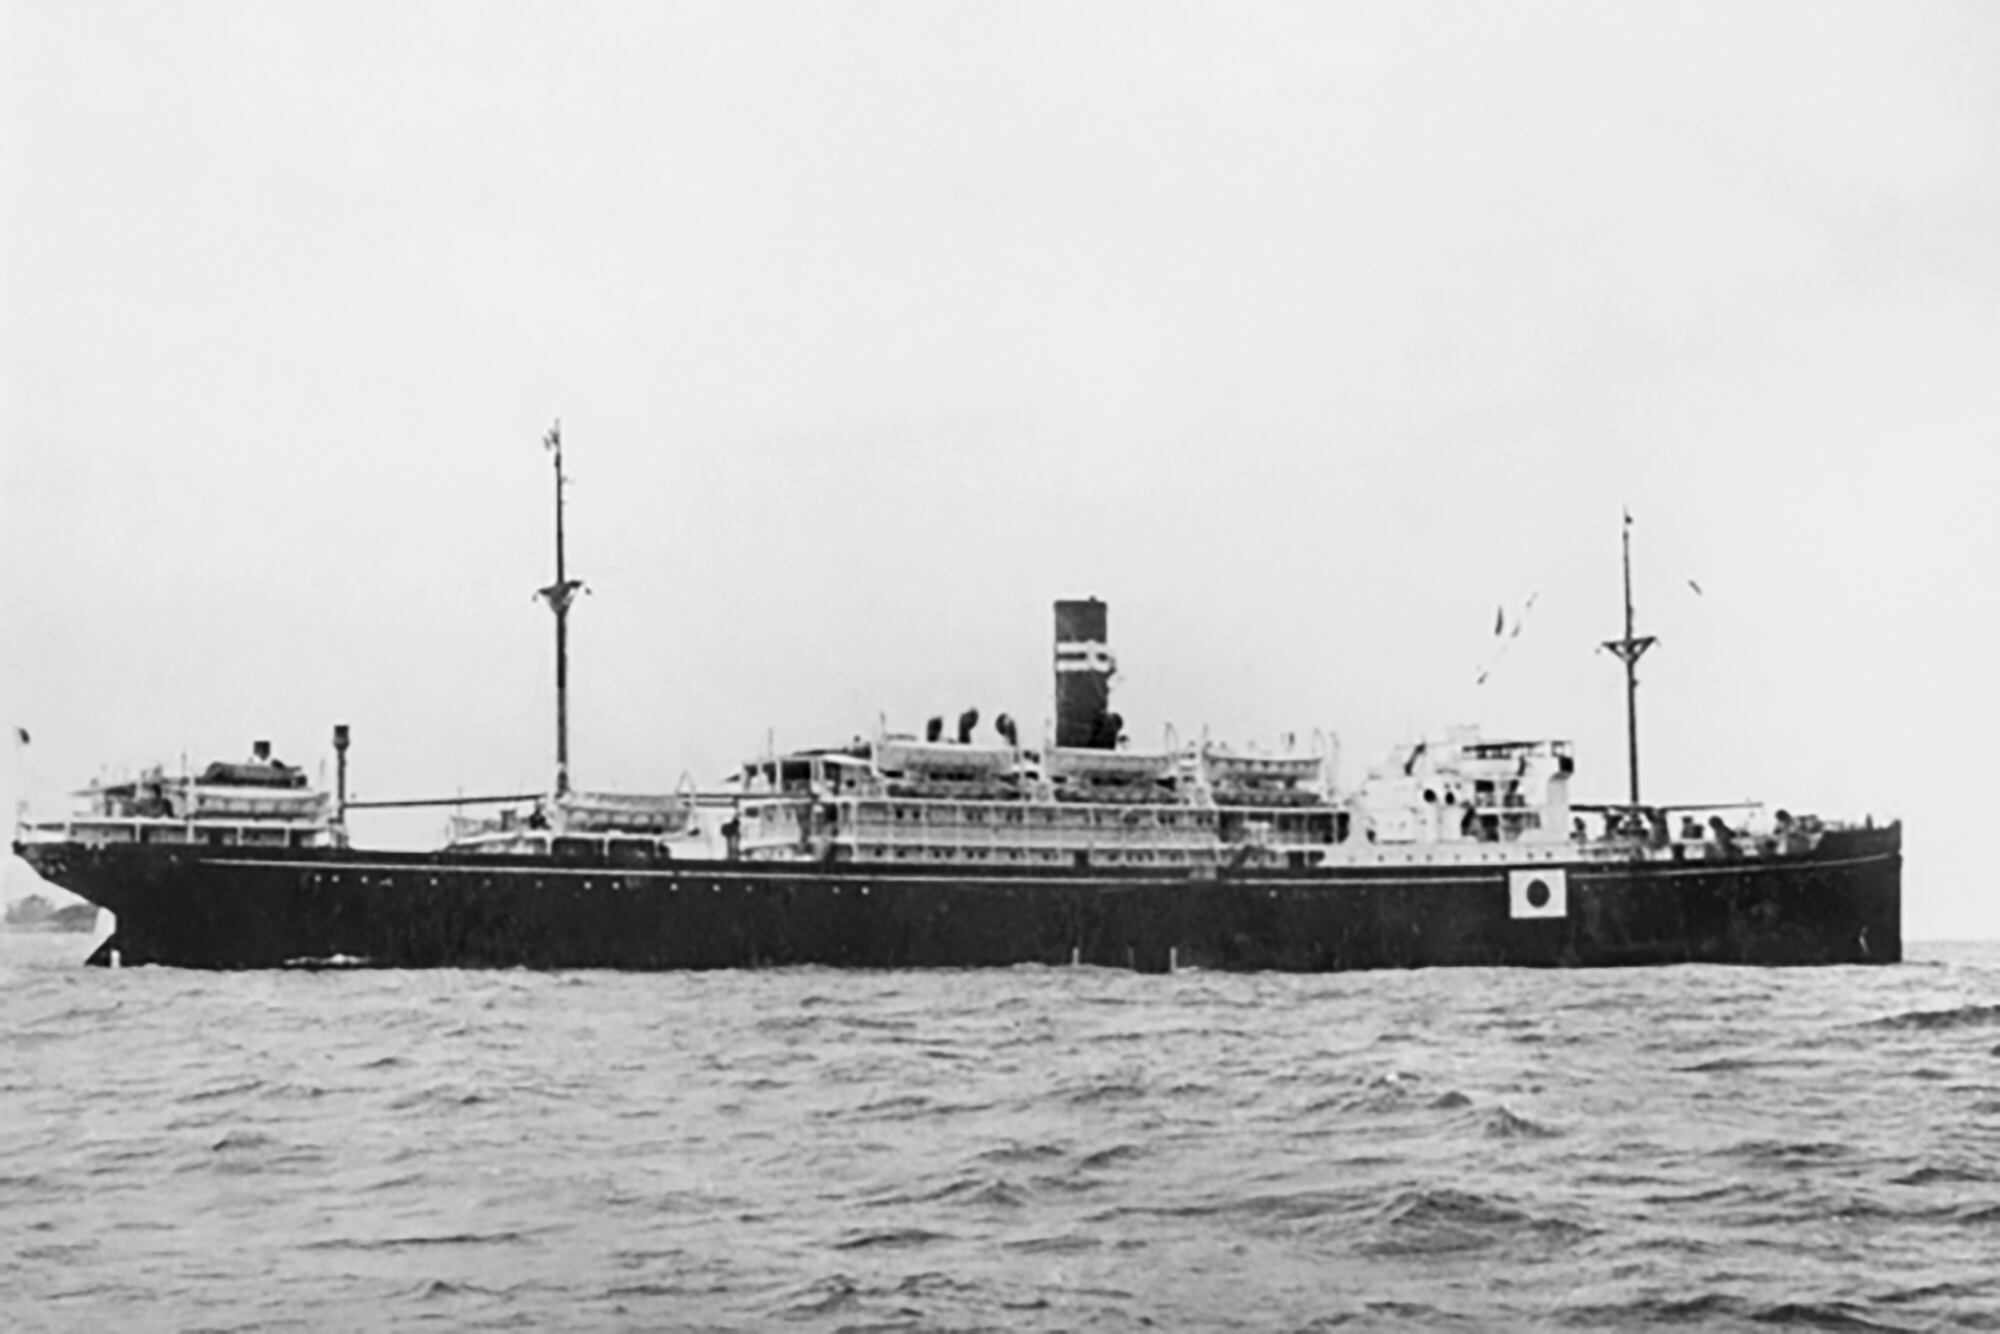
(957, 847)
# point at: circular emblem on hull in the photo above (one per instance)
(1538, 891)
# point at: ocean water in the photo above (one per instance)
(1031, 1149)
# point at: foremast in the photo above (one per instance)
(1628, 651)
(559, 595)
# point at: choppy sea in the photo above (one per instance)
(1031, 1149)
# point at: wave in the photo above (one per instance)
(1963, 1016)
(899, 1238)
(1111, 1157)
(440, 1095)
(1821, 1315)
(1441, 1221)
(1792, 1154)
(1061, 1244)
(1946, 1175)
(977, 1191)
(230, 1090)
(1711, 1308)
(1021, 1154)
(1930, 1292)
(1379, 1095)
(897, 1105)
(1288, 1212)
(440, 1289)
(1721, 1065)
(1503, 1124)
(1106, 1090)
(417, 1241)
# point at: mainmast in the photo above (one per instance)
(559, 595)
(1628, 651)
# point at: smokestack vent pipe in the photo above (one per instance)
(1083, 675)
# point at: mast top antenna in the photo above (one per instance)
(1629, 650)
(559, 595)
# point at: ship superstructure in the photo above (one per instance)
(989, 800)
(257, 803)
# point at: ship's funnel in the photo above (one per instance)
(1083, 677)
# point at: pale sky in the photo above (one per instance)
(1304, 335)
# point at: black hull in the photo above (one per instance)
(243, 908)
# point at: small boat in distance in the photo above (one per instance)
(35, 912)
(974, 850)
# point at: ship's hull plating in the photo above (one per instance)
(239, 908)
